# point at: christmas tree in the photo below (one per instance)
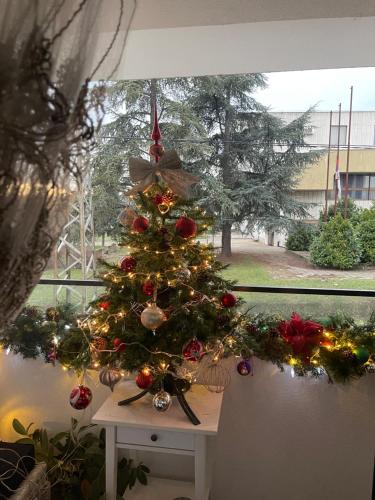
(167, 313)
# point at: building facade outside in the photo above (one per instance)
(311, 187)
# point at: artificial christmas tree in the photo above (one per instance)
(167, 307)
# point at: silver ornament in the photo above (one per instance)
(162, 401)
(152, 317)
(127, 217)
(183, 274)
(109, 377)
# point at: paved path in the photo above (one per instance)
(285, 264)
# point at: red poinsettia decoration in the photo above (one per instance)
(302, 335)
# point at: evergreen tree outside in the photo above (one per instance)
(106, 185)
(337, 246)
(126, 133)
(248, 159)
(256, 159)
(301, 236)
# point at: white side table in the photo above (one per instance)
(140, 427)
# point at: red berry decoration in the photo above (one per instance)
(119, 345)
(104, 305)
(186, 228)
(80, 397)
(148, 288)
(157, 199)
(144, 379)
(140, 224)
(228, 300)
(193, 350)
(128, 264)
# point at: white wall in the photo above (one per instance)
(295, 439)
(34, 391)
(363, 126)
(280, 438)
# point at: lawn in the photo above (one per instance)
(246, 271)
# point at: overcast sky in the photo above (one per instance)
(298, 90)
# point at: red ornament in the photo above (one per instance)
(128, 264)
(52, 356)
(99, 343)
(157, 199)
(302, 335)
(193, 350)
(156, 150)
(144, 379)
(140, 224)
(119, 345)
(104, 305)
(80, 397)
(186, 228)
(228, 300)
(148, 288)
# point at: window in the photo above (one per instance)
(335, 135)
(361, 186)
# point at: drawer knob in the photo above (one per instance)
(154, 437)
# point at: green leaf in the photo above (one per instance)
(58, 437)
(142, 478)
(29, 426)
(25, 441)
(132, 478)
(18, 427)
(44, 441)
(85, 427)
(36, 435)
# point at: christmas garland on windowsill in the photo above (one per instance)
(338, 346)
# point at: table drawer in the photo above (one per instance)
(157, 438)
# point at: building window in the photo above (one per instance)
(361, 186)
(335, 135)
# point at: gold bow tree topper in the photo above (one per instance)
(168, 170)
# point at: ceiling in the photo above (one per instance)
(171, 38)
(157, 14)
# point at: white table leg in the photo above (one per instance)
(201, 485)
(111, 463)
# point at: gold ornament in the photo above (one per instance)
(163, 208)
(152, 317)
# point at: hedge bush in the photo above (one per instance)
(337, 246)
(366, 237)
(301, 236)
(353, 211)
